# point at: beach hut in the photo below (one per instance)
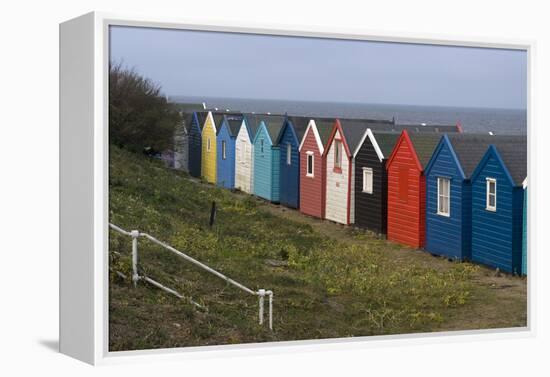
(371, 180)
(225, 141)
(340, 178)
(266, 158)
(407, 187)
(244, 154)
(289, 159)
(196, 123)
(497, 206)
(312, 166)
(209, 146)
(448, 192)
(524, 244)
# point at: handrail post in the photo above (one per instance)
(135, 277)
(270, 293)
(261, 293)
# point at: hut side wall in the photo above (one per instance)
(370, 209)
(524, 239)
(243, 161)
(337, 186)
(209, 156)
(405, 188)
(195, 151)
(225, 175)
(290, 174)
(262, 166)
(492, 232)
(312, 188)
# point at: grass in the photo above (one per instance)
(328, 280)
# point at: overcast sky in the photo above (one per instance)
(214, 64)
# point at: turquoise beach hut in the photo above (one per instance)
(266, 157)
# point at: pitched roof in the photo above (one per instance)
(514, 155)
(470, 148)
(354, 129)
(324, 127)
(252, 123)
(300, 125)
(274, 124)
(424, 145)
(201, 116)
(386, 141)
(233, 122)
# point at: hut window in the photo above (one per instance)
(403, 184)
(367, 180)
(208, 145)
(443, 196)
(288, 154)
(491, 194)
(243, 150)
(310, 162)
(223, 150)
(338, 154)
(261, 145)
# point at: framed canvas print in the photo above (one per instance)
(225, 187)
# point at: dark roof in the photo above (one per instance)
(354, 129)
(253, 122)
(514, 155)
(201, 116)
(470, 148)
(324, 127)
(233, 123)
(429, 128)
(273, 123)
(386, 141)
(300, 125)
(424, 145)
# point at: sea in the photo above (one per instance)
(473, 120)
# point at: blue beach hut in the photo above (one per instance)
(266, 157)
(497, 206)
(289, 141)
(196, 123)
(225, 143)
(448, 192)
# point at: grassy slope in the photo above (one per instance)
(339, 282)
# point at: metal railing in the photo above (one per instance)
(135, 234)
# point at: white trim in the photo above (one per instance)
(211, 122)
(448, 213)
(310, 153)
(524, 184)
(313, 126)
(488, 181)
(366, 190)
(368, 133)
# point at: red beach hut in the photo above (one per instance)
(407, 188)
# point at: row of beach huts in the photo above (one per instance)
(458, 195)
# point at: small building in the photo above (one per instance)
(289, 159)
(371, 180)
(448, 193)
(312, 166)
(524, 245)
(209, 147)
(497, 206)
(266, 158)
(407, 187)
(340, 178)
(244, 153)
(196, 123)
(225, 141)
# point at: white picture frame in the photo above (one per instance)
(84, 45)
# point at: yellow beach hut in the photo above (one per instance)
(209, 147)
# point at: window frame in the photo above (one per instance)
(208, 146)
(262, 146)
(288, 154)
(308, 155)
(224, 150)
(338, 154)
(488, 206)
(368, 172)
(441, 195)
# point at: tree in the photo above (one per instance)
(139, 115)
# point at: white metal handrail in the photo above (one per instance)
(135, 234)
